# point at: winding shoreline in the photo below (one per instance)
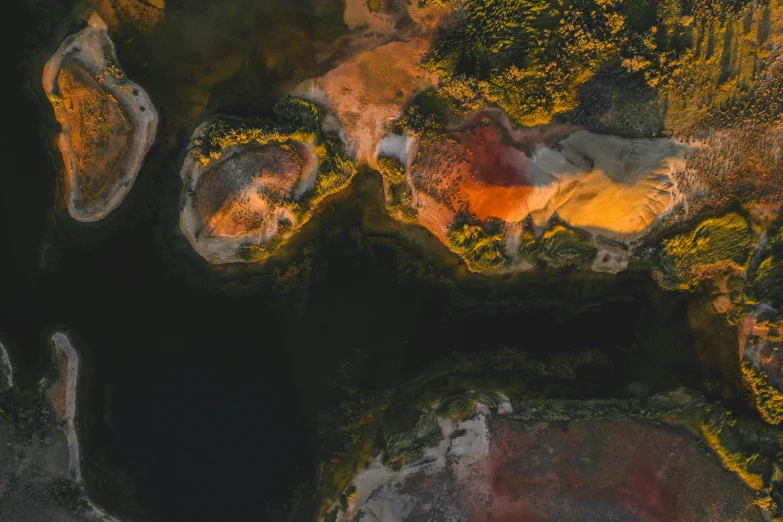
(8, 369)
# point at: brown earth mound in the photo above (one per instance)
(238, 195)
(100, 130)
(241, 203)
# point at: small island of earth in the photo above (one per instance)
(108, 122)
(393, 260)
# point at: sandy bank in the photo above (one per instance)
(6, 370)
(65, 410)
(100, 153)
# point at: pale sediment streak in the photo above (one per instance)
(63, 343)
(7, 369)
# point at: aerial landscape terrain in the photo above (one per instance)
(393, 260)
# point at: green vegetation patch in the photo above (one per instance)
(768, 399)
(483, 252)
(715, 246)
(392, 169)
(428, 115)
(531, 56)
(335, 166)
(767, 281)
(299, 114)
(399, 197)
(224, 132)
(67, 494)
(409, 446)
(561, 247)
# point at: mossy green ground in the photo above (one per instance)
(715, 246)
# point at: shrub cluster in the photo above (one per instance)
(481, 251)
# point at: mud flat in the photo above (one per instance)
(253, 187)
(560, 460)
(108, 122)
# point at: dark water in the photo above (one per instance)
(202, 389)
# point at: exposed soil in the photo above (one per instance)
(100, 131)
(490, 467)
(244, 196)
(108, 122)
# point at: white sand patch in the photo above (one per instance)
(505, 406)
(606, 185)
(394, 146)
(93, 50)
(474, 441)
(6, 370)
(463, 445)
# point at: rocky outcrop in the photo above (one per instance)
(108, 122)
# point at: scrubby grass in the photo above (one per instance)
(28, 413)
(428, 115)
(299, 114)
(769, 400)
(410, 445)
(392, 169)
(528, 246)
(767, 280)
(296, 120)
(483, 252)
(561, 247)
(715, 246)
(530, 57)
(398, 197)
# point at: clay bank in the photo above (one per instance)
(108, 122)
